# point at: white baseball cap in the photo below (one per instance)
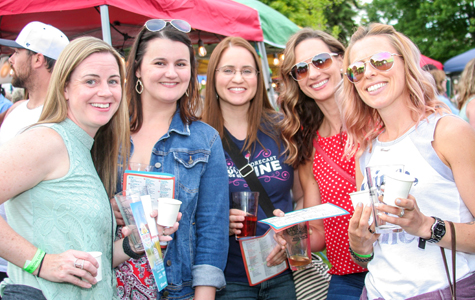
(40, 38)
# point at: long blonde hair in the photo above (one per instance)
(111, 140)
(467, 83)
(260, 110)
(302, 116)
(363, 123)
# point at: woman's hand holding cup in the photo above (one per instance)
(236, 217)
(407, 215)
(361, 236)
(75, 267)
(166, 232)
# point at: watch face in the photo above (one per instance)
(438, 229)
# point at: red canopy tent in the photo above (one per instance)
(427, 60)
(209, 18)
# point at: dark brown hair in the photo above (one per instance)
(189, 104)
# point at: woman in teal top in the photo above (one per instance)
(467, 93)
(60, 203)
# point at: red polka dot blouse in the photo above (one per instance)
(335, 189)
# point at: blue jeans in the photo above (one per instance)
(22, 292)
(346, 287)
(278, 288)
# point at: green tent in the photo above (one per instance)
(276, 28)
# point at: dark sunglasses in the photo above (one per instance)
(382, 61)
(155, 25)
(320, 61)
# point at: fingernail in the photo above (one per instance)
(380, 214)
(398, 201)
(360, 204)
(376, 205)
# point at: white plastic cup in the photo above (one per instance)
(168, 209)
(396, 185)
(98, 256)
(362, 197)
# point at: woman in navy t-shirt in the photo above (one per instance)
(237, 103)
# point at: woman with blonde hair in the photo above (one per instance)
(236, 105)
(314, 141)
(393, 116)
(59, 209)
(467, 93)
(441, 85)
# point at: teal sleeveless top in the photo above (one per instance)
(463, 110)
(72, 212)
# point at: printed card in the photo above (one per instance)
(316, 212)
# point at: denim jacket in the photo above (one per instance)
(198, 252)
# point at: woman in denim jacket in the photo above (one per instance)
(166, 134)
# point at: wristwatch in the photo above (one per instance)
(437, 231)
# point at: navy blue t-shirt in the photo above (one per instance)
(277, 179)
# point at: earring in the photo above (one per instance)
(341, 71)
(217, 96)
(186, 93)
(139, 86)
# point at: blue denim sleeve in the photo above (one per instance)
(212, 219)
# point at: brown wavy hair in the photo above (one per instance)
(261, 115)
(439, 78)
(467, 83)
(189, 104)
(362, 122)
(302, 116)
(111, 140)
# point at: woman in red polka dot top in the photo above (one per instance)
(311, 74)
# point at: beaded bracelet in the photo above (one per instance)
(128, 250)
(31, 266)
(361, 257)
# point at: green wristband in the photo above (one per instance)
(361, 255)
(31, 266)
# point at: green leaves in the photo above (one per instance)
(440, 28)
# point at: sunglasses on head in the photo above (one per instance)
(155, 25)
(382, 61)
(320, 61)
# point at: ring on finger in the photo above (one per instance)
(401, 214)
(82, 264)
(370, 230)
(75, 263)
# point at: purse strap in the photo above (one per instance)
(247, 172)
(337, 168)
(454, 248)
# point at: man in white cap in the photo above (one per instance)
(36, 50)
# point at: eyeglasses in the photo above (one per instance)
(246, 72)
(382, 61)
(320, 61)
(155, 25)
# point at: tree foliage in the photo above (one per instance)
(440, 28)
(332, 16)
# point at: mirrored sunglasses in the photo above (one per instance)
(155, 25)
(320, 61)
(382, 61)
